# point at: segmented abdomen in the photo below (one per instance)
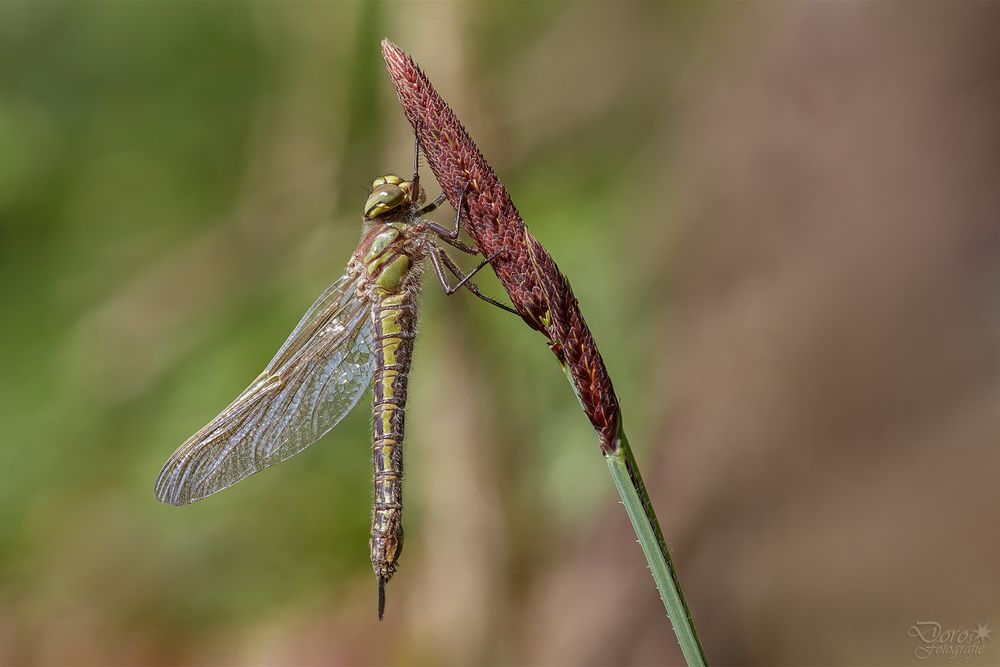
(395, 318)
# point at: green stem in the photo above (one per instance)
(628, 481)
(625, 473)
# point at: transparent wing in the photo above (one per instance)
(316, 378)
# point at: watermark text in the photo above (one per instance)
(934, 639)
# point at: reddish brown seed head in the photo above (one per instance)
(539, 292)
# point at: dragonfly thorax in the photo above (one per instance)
(389, 193)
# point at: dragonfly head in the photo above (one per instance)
(389, 192)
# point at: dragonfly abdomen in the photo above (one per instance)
(395, 317)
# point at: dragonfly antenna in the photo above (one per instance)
(381, 596)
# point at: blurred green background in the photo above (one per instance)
(780, 220)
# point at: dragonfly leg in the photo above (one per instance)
(440, 199)
(440, 260)
(450, 236)
(416, 163)
(464, 247)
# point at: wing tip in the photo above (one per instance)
(170, 499)
(167, 490)
(166, 495)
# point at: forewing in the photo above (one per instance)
(315, 379)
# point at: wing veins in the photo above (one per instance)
(270, 421)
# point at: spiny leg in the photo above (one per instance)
(452, 234)
(439, 257)
(463, 279)
(440, 199)
(471, 286)
(464, 247)
(416, 162)
(449, 236)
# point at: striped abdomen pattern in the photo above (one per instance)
(394, 313)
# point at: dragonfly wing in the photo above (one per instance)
(315, 379)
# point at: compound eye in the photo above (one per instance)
(384, 198)
(391, 195)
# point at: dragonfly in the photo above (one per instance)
(358, 334)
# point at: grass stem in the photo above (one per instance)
(628, 481)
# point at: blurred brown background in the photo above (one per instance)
(783, 224)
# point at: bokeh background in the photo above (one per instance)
(783, 224)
